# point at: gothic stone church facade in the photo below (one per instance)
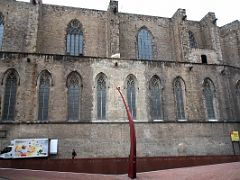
(60, 66)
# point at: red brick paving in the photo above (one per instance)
(227, 171)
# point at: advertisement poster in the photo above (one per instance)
(28, 148)
(235, 136)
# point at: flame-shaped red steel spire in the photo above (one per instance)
(132, 157)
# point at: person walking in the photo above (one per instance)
(74, 154)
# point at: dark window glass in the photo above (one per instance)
(131, 96)
(208, 95)
(204, 59)
(101, 98)
(74, 38)
(192, 41)
(179, 99)
(238, 93)
(73, 96)
(1, 31)
(238, 88)
(155, 99)
(43, 96)
(144, 44)
(10, 97)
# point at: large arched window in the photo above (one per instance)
(156, 108)
(74, 38)
(209, 99)
(1, 30)
(144, 40)
(131, 95)
(238, 95)
(101, 96)
(179, 89)
(43, 95)
(10, 95)
(192, 41)
(73, 84)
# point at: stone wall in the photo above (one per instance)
(40, 30)
(52, 30)
(112, 140)
(30, 66)
(230, 43)
(160, 29)
(15, 24)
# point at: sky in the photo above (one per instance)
(226, 10)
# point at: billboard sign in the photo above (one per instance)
(29, 148)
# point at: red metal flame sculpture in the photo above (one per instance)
(132, 157)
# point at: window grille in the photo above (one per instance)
(101, 98)
(74, 38)
(10, 97)
(43, 96)
(131, 96)
(73, 96)
(238, 88)
(179, 99)
(155, 99)
(144, 44)
(238, 93)
(1, 30)
(209, 100)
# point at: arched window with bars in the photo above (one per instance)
(43, 95)
(74, 38)
(179, 89)
(1, 30)
(192, 40)
(156, 107)
(10, 96)
(145, 44)
(209, 99)
(73, 85)
(131, 95)
(238, 96)
(101, 96)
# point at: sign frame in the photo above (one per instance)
(234, 136)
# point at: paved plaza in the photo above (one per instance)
(227, 171)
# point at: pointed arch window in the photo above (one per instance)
(1, 30)
(101, 97)
(74, 38)
(155, 99)
(43, 95)
(238, 93)
(179, 95)
(144, 39)
(208, 92)
(131, 95)
(10, 96)
(73, 84)
(192, 41)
